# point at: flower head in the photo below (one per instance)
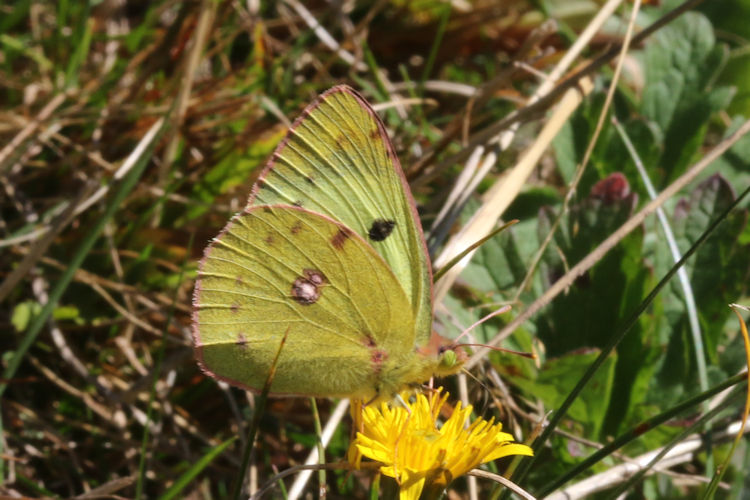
(416, 452)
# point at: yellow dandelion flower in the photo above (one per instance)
(418, 453)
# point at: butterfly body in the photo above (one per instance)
(329, 252)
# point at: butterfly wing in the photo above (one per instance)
(277, 270)
(337, 160)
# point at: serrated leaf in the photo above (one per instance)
(720, 270)
(718, 274)
(734, 165)
(681, 63)
(600, 300)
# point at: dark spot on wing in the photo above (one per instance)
(235, 307)
(261, 183)
(340, 238)
(267, 210)
(314, 276)
(269, 240)
(377, 355)
(381, 229)
(297, 203)
(241, 340)
(309, 179)
(375, 134)
(239, 280)
(307, 288)
(377, 358)
(296, 228)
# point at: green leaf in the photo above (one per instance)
(232, 171)
(719, 272)
(497, 265)
(63, 313)
(570, 143)
(737, 75)
(582, 317)
(22, 314)
(734, 165)
(601, 299)
(681, 63)
(558, 377)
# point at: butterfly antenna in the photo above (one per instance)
(501, 349)
(502, 310)
(523, 354)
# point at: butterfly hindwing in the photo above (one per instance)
(337, 160)
(277, 270)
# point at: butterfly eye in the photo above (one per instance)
(448, 358)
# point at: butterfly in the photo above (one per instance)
(330, 253)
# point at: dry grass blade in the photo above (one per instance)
(192, 60)
(107, 490)
(680, 454)
(593, 257)
(499, 197)
(101, 395)
(40, 246)
(337, 415)
(6, 154)
(505, 482)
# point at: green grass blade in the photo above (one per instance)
(80, 53)
(432, 56)
(615, 340)
(260, 408)
(321, 448)
(20, 11)
(700, 423)
(196, 469)
(157, 372)
(720, 470)
(126, 186)
(637, 431)
(10, 43)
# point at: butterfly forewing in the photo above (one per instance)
(278, 270)
(337, 160)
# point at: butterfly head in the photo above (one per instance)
(448, 357)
